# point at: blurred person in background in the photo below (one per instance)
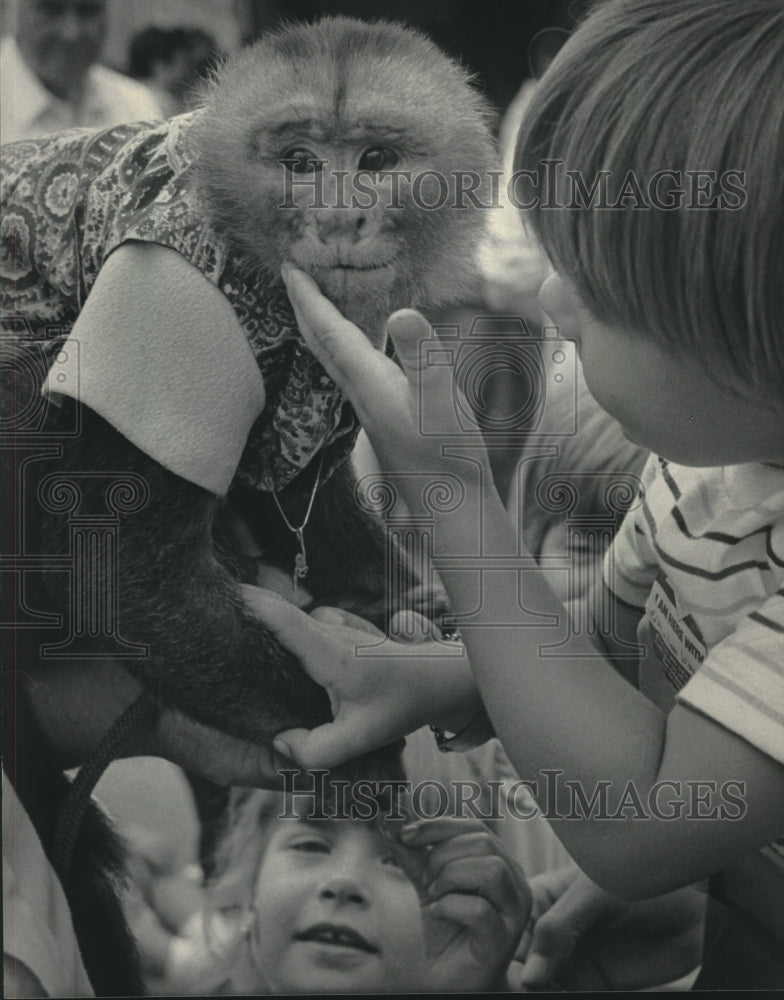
(50, 78)
(174, 63)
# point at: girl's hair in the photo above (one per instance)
(250, 816)
(651, 92)
(250, 820)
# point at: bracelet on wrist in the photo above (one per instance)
(476, 731)
(465, 738)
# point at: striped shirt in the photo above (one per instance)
(703, 558)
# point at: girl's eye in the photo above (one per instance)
(310, 845)
(300, 161)
(378, 158)
(391, 860)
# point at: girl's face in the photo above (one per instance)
(334, 912)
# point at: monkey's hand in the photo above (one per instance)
(376, 694)
(406, 413)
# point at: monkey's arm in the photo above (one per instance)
(168, 389)
(207, 655)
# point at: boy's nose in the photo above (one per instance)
(343, 889)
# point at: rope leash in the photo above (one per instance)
(139, 715)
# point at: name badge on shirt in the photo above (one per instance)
(677, 639)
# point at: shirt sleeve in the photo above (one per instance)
(741, 682)
(630, 564)
(159, 353)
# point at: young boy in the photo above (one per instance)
(653, 139)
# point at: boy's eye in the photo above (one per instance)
(391, 860)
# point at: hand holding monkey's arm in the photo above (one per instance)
(375, 699)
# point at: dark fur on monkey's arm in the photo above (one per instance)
(207, 656)
(178, 588)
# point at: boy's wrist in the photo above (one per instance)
(454, 701)
(476, 732)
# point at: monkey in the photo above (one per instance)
(342, 147)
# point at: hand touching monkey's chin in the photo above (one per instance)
(365, 294)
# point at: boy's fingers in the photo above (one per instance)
(326, 746)
(342, 348)
(464, 908)
(485, 924)
(471, 845)
(490, 877)
(411, 334)
(337, 616)
(295, 629)
(411, 626)
(556, 934)
(429, 366)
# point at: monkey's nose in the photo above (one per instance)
(344, 225)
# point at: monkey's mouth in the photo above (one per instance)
(362, 267)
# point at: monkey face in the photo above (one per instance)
(335, 222)
(356, 151)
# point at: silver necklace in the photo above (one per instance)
(301, 559)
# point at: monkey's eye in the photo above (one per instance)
(300, 161)
(378, 158)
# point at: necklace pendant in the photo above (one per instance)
(300, 560)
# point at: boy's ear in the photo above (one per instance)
(558, 301)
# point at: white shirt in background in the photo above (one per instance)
(28, 110)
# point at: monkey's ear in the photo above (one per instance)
(158, 352)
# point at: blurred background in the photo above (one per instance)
(492, 37)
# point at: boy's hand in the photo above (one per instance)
(386, 399)
(476, 902)
(585, 939)
(375, 699)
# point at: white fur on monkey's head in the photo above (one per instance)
(337, 85)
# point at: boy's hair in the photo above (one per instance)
(649, 86)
